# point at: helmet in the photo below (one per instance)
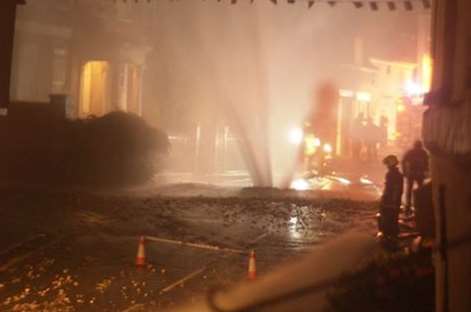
(391, 161)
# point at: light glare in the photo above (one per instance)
(327, 148)
(296, 136)
(300, 185)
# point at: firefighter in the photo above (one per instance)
(391, 199)
(415, 166)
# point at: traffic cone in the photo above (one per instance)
(141, 253)
(252, 273)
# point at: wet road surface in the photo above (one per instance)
(83, 259)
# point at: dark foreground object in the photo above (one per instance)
(41, 147)
(72, 251)
(395, 282)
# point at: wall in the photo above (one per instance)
(55, 39)
(7, 17)
(455, 178)
(447, 133)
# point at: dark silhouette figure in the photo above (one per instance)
(391, 199)
(383, 128)
(357, 136)
(414, 165)
(371, 137)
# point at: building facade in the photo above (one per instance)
(447, 134)
(93, 51)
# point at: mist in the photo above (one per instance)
(226, 82)
(256, 67)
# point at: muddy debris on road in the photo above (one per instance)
(89, 266)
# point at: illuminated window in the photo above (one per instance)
(94, 92)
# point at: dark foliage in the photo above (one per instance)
(117, 149)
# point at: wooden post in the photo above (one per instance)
(7, 32)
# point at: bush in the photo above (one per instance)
(117, 149)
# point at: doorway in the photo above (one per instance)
(94, 90)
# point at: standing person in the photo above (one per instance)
(391, 199)
(356, 136)
(415, 166)
(371, 137)
(383, 136)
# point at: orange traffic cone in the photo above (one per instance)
(141, 253)
(252, 273)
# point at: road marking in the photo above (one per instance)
(183, 280)
(204, 246)
(198, 272)
(135, 307)
(196, 245)
(254, 241)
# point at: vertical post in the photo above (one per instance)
(451, 11)
(7, 32)
(224, 158)
(339, 148)
(444, 246)
(196, 166)
(140, 86)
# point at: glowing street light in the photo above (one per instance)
(346, 93)
(296, 136)
(300, 185)
(427, 67)
(363, 96)
(412, 88)
(327, 148)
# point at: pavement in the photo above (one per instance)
(75, 251)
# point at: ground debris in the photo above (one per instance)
(100, 277)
